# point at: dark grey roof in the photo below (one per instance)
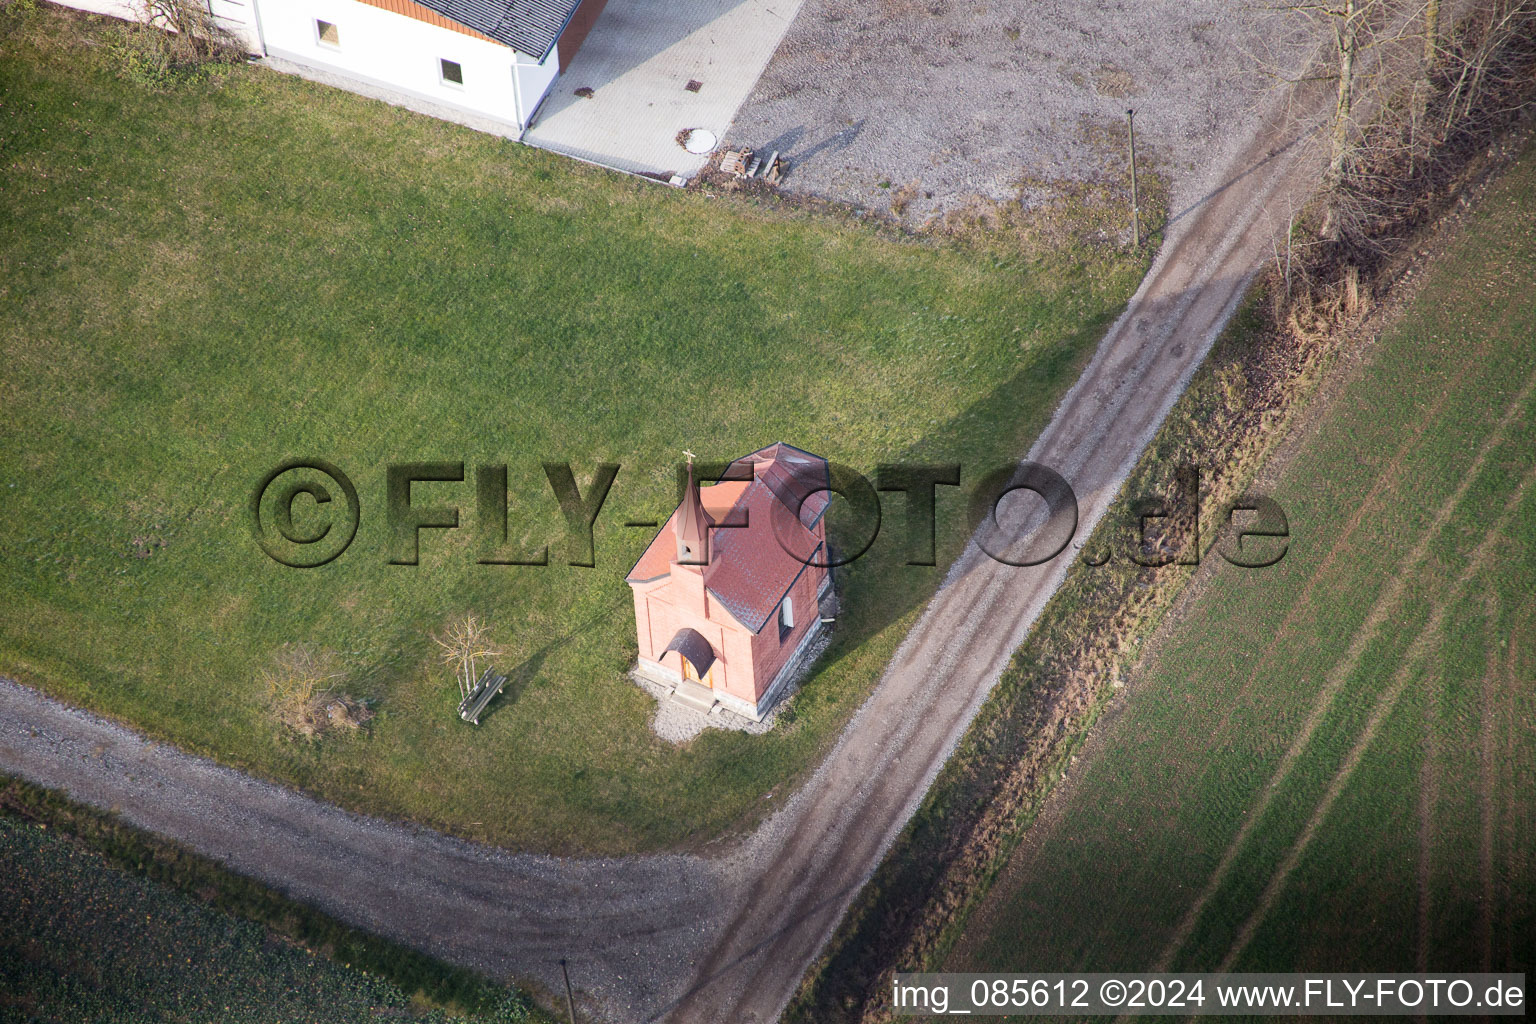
(530, 26)
(692, 645)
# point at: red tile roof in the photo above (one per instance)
(749, 569)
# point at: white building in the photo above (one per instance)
(491, 58)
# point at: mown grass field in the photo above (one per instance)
(1331, 764)
(198, 284)
(86, 940)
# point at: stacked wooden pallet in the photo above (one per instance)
(735, 162)
(773, 170)
(743, 163)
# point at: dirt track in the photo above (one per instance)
(688, 939)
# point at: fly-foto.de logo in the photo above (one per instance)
(305, 513)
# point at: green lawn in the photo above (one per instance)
(198, 284)
(1331, 765)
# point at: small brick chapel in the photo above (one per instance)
(728, 596)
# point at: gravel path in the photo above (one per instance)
(682, 938)
(967, 99)
(628, 925)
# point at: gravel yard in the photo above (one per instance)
(867, 96)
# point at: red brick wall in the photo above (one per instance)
(769, 653)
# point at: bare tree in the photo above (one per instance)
(1346, 36)
(198, 36)
(1375, 54)
(298, 684)
(173, 42)
(1349, 20)
(464, 642)
(1397, 120)
(1495, 24)
(1349, 23)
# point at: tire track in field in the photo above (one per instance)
(1334, 682)
(1501, 718)
(1429, 793)
(1498, 665)
(1512, 894)
(1391, 474)
(1384, 706)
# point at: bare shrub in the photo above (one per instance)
(300, 692)
(341, 711)
(464, 642)
(175, 42)
(904, 197)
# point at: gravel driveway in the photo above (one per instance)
(966, 99)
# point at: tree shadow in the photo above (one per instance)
(518, 679)
(786, 142)
(522, 675)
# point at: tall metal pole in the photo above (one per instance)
(1130, 120)
(570, 1003)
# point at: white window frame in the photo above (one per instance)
(786, 616)
(442, 72)
(320, 39)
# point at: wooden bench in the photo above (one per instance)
(473, 706)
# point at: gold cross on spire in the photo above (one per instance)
(690, 456)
